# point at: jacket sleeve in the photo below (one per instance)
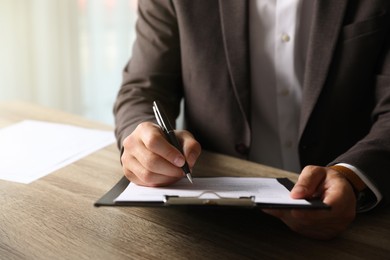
(372, 153)
(153, 72)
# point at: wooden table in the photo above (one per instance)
(54, 217)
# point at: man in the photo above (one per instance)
(300, 85)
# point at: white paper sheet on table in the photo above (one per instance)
(31, 149)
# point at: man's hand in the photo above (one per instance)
(149, 159)
(334, 190)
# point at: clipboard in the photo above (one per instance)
(204, 200)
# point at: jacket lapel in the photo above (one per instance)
(327, 23)
(234, 23)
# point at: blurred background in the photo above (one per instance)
(66, 54)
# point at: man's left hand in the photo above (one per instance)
(334, 190)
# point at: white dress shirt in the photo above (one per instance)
(279, 32)
(279, 35)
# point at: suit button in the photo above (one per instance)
(241, 148)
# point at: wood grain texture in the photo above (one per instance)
(54, 217)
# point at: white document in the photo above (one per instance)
(264, 190)
(32, 149)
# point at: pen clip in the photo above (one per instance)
(158, 118)
(161, 118)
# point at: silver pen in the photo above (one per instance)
(169, 132)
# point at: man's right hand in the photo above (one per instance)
(148, 158)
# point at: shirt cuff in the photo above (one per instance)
(369, 184)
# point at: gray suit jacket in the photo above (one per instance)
(199, 50)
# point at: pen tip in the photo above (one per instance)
(189, 178)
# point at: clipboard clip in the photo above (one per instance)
(209, 198)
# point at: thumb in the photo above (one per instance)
(308, 182)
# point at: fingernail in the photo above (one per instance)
(179, 161)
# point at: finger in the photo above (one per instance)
(139, 163)
(141, 176)
(135, 148)
(308, 182)
(154, 163)
(191, 147)
(154, 140)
